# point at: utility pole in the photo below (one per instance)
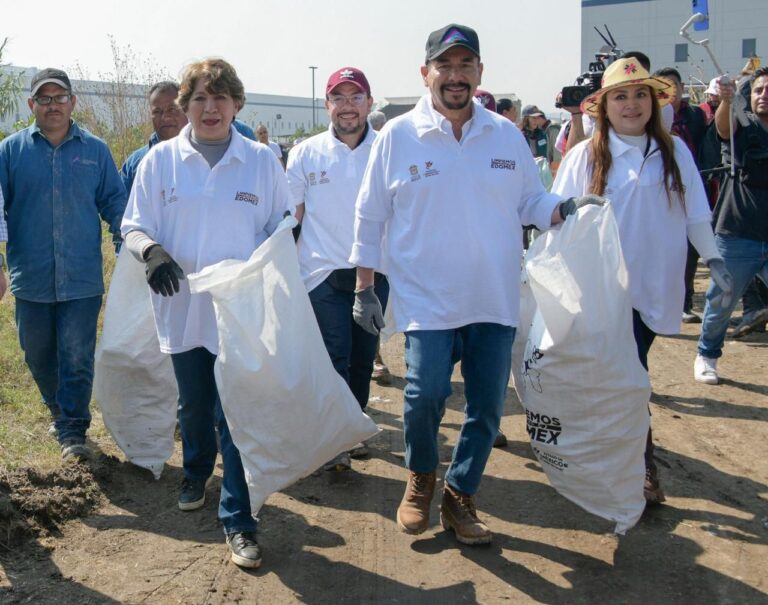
(314, 119)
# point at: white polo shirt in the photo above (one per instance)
(452, 213)
(325, 175)
(275, 149)
(652, 229)
(202, 216)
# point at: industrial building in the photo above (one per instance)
(736, 32)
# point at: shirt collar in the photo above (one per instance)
(153, 140)
(333, 141)
(618, 147)
(74, 131)
(235, 151)
(427, 119)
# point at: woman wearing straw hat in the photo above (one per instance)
(658, 199)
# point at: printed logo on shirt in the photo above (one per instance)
(170, 198)
(503, 164)
(78, 160)
(429, 170)
(324, 180)
(414, 170)
(244, 196)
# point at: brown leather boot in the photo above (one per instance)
(652, 488)
(457, 512)
(413, 512)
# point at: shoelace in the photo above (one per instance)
(466, 505)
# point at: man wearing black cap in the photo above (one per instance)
(324, 174)
(447, 189)
(58, 180)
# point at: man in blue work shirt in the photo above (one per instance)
(57, 180)
(167, 120)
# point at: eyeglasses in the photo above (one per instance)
(339, 100)
(60, 99)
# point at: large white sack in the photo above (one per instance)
(581, 383)
(287, 408)
(134, 382)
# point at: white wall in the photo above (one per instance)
(652, 26)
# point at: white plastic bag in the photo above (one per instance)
(287, 408)
(134, 382)
(581, 383)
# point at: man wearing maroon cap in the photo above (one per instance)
(324, 174)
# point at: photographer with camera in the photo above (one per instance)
(588, 83)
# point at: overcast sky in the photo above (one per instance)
(529, 47)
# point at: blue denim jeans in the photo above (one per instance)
(744, 259)
(59, 342)
(352, 349)
(486, 360)
(199, 409)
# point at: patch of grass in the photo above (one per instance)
(24, 419)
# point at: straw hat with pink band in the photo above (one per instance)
(629, 72)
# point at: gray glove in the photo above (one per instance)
(367, 311)
(572, 204)
(724, 281)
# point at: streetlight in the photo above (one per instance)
(314, 122)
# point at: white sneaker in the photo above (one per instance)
(705, 370)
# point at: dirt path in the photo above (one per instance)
(332, 538)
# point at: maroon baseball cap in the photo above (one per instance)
(486, 99)
(351, 75)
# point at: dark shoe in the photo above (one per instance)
(457, 512)
(340, 463)
(245, 549)
(359, 451)
(754, 321)
(652, 489)
(501, 440)
(689, 317)
(413, 512)
(75, 449)
(192, 494)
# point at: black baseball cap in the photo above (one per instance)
(449, 36)
(50, 75)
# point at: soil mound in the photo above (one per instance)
(34, 501)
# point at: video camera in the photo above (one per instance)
(589, 82)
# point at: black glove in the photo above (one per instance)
(163, 273)
(572, 204)
(367, 311)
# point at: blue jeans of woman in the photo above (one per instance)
(486, 352)
(199, 411)
(59, 341)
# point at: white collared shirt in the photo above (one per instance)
(200, 216)
(325, 175)
(652, 229)
(452, 214)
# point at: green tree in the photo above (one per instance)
(11, 86)
(115, 108)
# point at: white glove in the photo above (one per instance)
(724, 281)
